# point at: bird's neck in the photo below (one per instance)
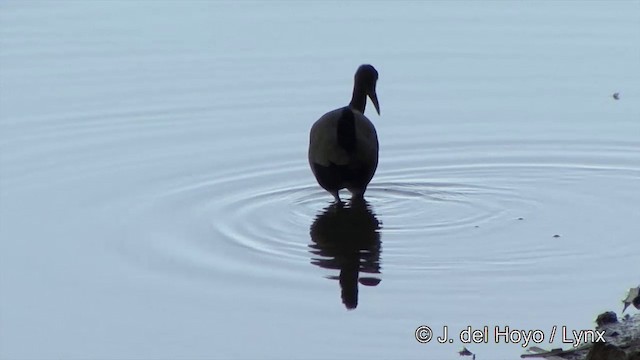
(358, 99)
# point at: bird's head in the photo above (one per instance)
(367, 77)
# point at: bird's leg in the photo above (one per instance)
(358, 201)
(357, 194)
(336, 196)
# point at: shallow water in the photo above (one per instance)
(156, 201)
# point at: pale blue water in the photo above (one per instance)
(156, 202)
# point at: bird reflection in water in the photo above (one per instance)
(346, 237)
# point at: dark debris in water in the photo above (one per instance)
(616, 96)
(633, 298)
(621, 339)
(606, 318)
(466, 352)
(520, 218)
(604, 351)
(556, 236)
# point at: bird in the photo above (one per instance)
(343, 143)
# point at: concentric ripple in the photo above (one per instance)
(260, 216)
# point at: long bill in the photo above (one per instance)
(374, 99)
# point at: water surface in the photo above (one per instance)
(155, 200)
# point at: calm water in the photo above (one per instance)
(156, 202)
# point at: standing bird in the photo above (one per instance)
(343, 144)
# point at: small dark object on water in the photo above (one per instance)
(616, 96)
(466, 352)
(605, 318)
(556, 236)
(477, 226)
(520, 218)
